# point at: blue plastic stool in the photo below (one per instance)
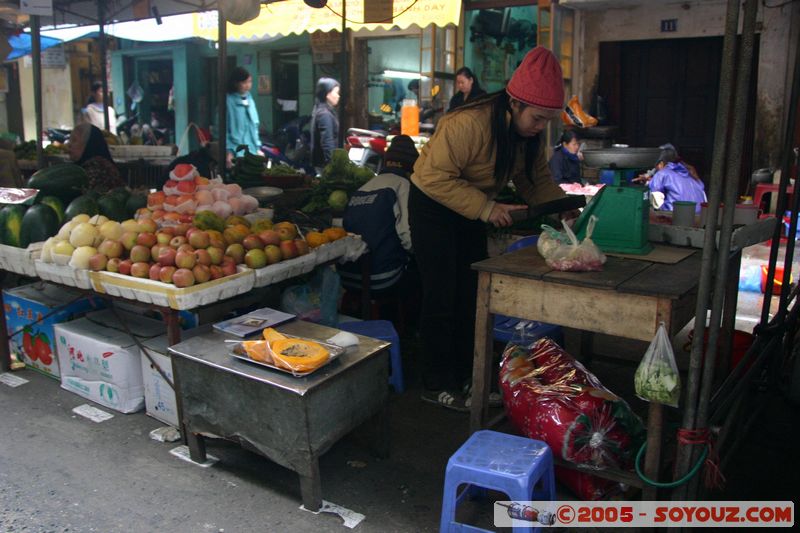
(383, 330)
(519, 467)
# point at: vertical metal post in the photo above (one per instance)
(103, 66)
(683, 458)
(222, 59)
(736, 145)
(345, 77)
(36, 52)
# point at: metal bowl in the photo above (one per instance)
(630, 158)
(264, 194)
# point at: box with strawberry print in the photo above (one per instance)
(32, 311)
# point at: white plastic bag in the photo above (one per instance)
(563, 251)
(657, 378)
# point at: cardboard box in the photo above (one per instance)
(159, 397)
(23, 306)
(101, 362)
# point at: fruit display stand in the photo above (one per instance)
(20, 260)
(349, 247)
(64, 275)
(283, 270)
(167, 295)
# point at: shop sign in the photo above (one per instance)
(37, 7)
(54, 57)
(326, 42)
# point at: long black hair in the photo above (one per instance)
(324, 86)
(237, 76)
(504, 136)
(467, 73)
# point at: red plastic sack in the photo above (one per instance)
(551, 397)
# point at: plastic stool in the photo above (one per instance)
(521, 468)
(383, 330)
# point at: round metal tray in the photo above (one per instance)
(264, 193)
(634, 158)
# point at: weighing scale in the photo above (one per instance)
(622, 208)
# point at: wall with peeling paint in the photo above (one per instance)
(777, 27)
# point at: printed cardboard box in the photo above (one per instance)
(159, 397)
(35, 343)
(101, 362)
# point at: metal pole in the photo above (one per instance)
(731, 191)
(103, 66)
(682, 461)
(222, 59)
(36, 52)
(344, 85)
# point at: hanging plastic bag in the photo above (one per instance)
(317, 300)
(574, 115)
(563, 251)
(657, 378)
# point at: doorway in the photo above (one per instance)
(286, 87)
(666, 91)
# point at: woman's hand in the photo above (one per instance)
(501, 214)
(229, 160)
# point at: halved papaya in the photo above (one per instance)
(271, 334)
(258, 351)
(298, 355)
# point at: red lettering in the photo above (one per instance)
(676, 514)
(583, 515)
(767, 514)
(660, 515)
(689, 513)
(783, 514)
(752, 514)
(626, 514)
(732, 514)
(703, 514)
(717, 514)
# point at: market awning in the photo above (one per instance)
(294, 16)
(172, 28)
(21, 45)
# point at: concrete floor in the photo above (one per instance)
(60, 472)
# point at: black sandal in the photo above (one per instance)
(447, 399)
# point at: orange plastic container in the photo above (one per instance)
(409, 118)
(777, 283)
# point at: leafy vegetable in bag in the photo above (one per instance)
(657, 378)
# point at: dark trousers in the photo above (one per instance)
(445, 245)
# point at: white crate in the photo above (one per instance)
(20, 260)
(168, 295)
(64, 275)
(290, 268)
(351, 245)
(126, 151)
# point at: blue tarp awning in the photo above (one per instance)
(21, 44)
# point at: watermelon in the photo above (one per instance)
(66, 181)
(11, 224)
(39, 223)
(82, 204)
(135, 202)
(56, 204)
(111, 207)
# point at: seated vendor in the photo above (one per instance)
(378, 212)
(565, 165)
(88, 148)
(674, 181)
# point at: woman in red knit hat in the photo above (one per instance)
(475, 151)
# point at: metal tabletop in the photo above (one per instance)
(212, 350)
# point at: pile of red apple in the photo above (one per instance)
(269, 246)
(182, 255)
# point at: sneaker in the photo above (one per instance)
(448, 399)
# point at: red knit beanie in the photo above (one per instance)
(538, 80)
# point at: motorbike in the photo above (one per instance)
(365, 148)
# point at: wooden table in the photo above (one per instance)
(629, 299)
(290, 420)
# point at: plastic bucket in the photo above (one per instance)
(777, 282)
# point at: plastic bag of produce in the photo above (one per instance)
(657, 378)
(563, 251)
(549, 396)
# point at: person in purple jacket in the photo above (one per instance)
(675, 181)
